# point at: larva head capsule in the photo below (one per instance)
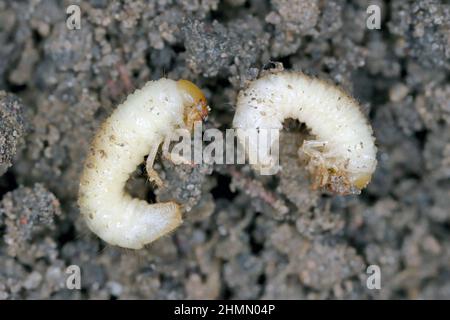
(196, 107)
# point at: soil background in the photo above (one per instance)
(244, 236)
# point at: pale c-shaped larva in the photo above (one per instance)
(135, 129)
(342, 157)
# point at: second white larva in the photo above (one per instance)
(135, 129)
(342, 157)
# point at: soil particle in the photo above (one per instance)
(12, 128)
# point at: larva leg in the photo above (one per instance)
(314, 149)
(153, 176)
(177, 159)
(317, 162)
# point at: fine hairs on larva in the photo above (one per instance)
(135, 129)
(342, 156)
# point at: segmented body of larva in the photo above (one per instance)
(135, 129)
(342, 157)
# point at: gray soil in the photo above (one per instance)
(244, 236)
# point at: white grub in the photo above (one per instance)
(135, 129)
(342, 156)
